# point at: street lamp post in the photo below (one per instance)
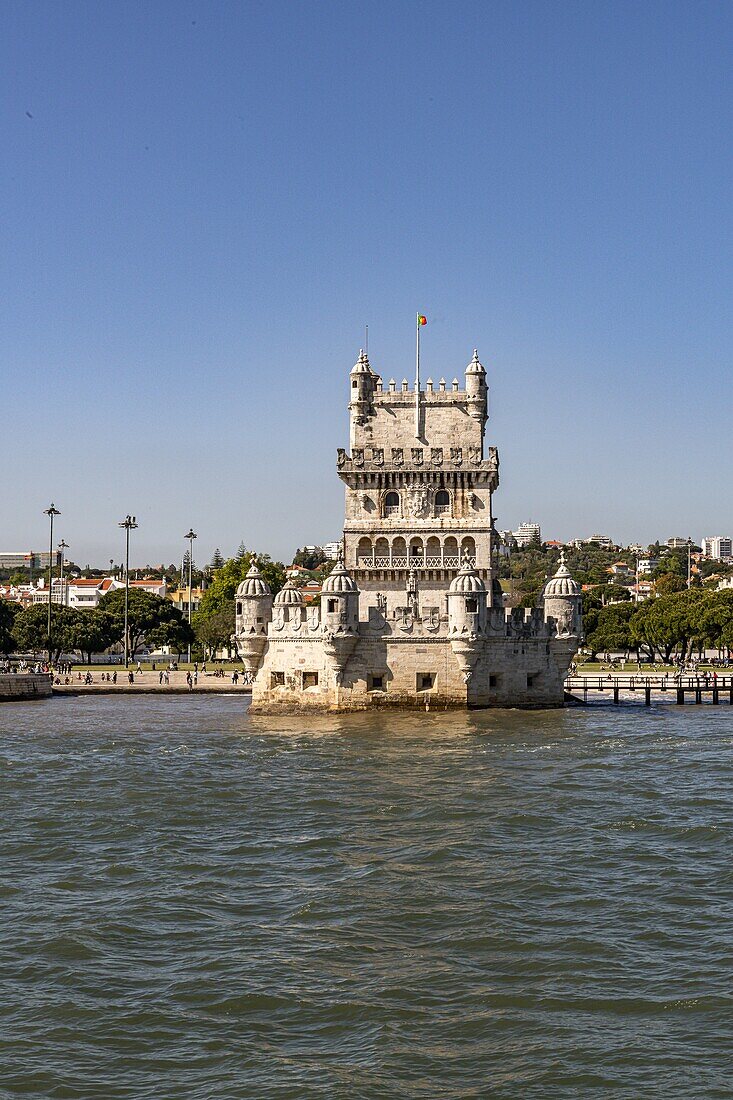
(129, 523)
(63, 547)
(50, 512)
(689, 562)
(190, 535)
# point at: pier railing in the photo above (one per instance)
(705, 685)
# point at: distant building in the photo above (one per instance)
(527, 533)
(331, 550)
(647, 565)
(677, 543)
(718, 547)
(29, 559)
(602, 541)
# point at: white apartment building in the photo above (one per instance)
(717, 547)
(527, 533)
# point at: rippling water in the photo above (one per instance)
(200, 904)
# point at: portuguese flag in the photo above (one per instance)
(421, 320)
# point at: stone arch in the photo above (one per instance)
(450, 547)
(442, 503)
(468, 548)
(432, 550)
(381, 547)
(399, 548)
(364, 548)
(391, 503)
(417, 549)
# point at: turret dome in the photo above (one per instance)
(254, 584)
(361, 366)
(475, 367)
(289, 596)
(467, 582)
(562, 584)
(339, 581)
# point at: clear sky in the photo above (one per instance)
(203, 203)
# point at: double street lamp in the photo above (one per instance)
(129, 523)
(50, 512)
(190, 535)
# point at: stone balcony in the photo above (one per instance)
(419, 561)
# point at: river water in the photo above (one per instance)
(195, 903)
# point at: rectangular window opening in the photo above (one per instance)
(493, 681)
(471, 606)
(376, 683)
(332, 606)
(310, 680)
(425, 681)
(277, 679)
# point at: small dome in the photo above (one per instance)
(254, 584)
(562, 584)
(475, 367)
(339, 581)
(289, 596)
(361, 366)
(467, 581)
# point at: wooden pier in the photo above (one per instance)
(708, 688)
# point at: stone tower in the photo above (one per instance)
(418, 485)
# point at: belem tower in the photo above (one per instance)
(412, 614)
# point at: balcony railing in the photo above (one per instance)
(418, 561)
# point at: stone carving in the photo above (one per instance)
(456, 456)
(381, 602)
(413, 599)
(398, 456)
(358, 456)
(340, 457)
(474, 455)
(378, 456)
(417, 458)
(417, 503)
(436, 456)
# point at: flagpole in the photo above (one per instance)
(417, 375)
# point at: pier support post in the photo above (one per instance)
(647, 696)
(716, 699)
(680, 697)
(698, 695)
(615, 693)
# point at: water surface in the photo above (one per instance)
(200, 904)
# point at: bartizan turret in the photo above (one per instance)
(467, 617)
(253, 615)
(563, 602)
(363, 384)
(339, 617)
(476, 391)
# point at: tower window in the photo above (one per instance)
(442, 502)
(277, 679)
(310, 680)
(392, 504)
(239, 608)
(471, 605)
(332, 606)
(354, 384)
(425, 681)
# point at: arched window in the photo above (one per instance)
(442, 502)
(392, 504)
(239, 608)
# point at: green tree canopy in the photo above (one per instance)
(151, 619)
(30, 629)
(612, 630)
(8, 614)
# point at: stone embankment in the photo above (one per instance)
(18, 686)
(148, 683)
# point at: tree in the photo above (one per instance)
(30, 629)
(217, 560)
(669, 623)
(93, 631)
(8, 613)
(151, 618)
(667, 583)
(214, 631)
(612, 631)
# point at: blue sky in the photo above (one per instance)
(211, 200)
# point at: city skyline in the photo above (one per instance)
(204, 208)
